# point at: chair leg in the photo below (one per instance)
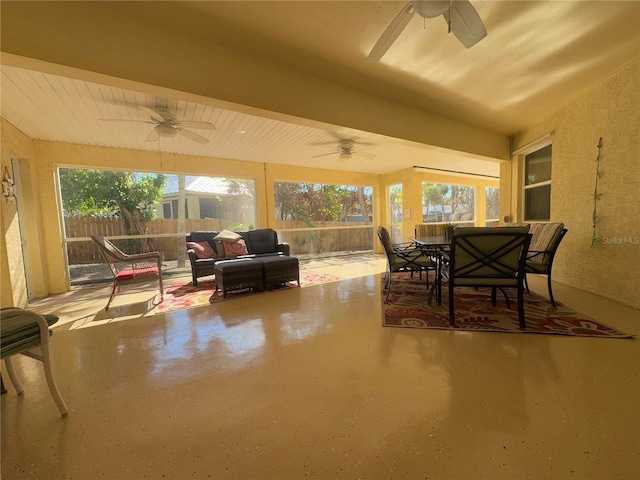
(506, 297)
(553, 302)
(526, 284)
(521, 319)
(113, 295)
(493, 296)
(452, 313)
(51, 381)
(160, 282)
(15, 381)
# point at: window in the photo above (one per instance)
(139, 212)
(395, 212)
(319, 219)
(493, 206)
(448, 203)
(537, 185)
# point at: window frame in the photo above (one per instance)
(534, 148)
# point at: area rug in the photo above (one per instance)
(179, 296)
(407, 307)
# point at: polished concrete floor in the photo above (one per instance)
(305, 383)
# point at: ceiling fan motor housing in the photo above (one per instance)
(430, 8)
(166, 130)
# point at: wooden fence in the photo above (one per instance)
(326, 237)
(162, 235)
(322, 238)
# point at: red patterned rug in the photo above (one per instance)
(179, 296)
(407, 307)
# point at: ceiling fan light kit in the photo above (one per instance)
(166, 131)
(346, 151)
(462, 18)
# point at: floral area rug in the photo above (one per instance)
(179, 296)
(407, 307)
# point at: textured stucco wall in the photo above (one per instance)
(610, 110)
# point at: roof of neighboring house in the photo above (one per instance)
(195, 184)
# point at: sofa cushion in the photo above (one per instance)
(202, 236)
(227, 236)
(235, 249)
(202, 249)
(263, 240)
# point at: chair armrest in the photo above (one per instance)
(405, 246)
(532, 254)
(284, 248)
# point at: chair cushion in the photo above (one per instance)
(20, 333)
(263, 240)
(128, 273)
(545, 236)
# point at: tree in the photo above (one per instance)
(131, 196)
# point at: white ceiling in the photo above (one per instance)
(51, 107)
(537, 56)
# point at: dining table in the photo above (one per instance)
(437, 247)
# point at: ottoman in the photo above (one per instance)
(236, 275)
(278, 269)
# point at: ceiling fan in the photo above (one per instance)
(346, 151)
(460, 15)
(166, 125)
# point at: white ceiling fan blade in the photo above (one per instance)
(466, 24)
(153, 135)
(155, 116)
(122, 120)
(196, 124)
(192, 136)
(391, 33)
(325, 154)
(367, 155)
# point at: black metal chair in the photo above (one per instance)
(544, 244)
(404, 257)
(489, 257)
(129, 268)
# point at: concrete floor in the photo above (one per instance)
(305, 383)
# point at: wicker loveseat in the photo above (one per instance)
(258, 242)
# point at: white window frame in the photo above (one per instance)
(523, 152)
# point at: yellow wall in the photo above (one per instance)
(17, 145)
(610, 110)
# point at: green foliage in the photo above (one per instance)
(132, 196)
(313, 202)
(101, 193)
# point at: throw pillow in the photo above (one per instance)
(234, 249)
(227, 236)
(202, 249)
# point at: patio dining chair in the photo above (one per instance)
(129, 268)
(488, 257)
(27, 332)
(544, 244)
(404, 257)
